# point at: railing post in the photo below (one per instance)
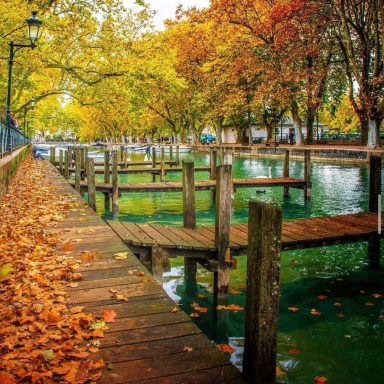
(115, 184)
(170, 152)
(224, 186)
(70, 157)
(374, 206)
(262, 302)
(307, 174)
(91, 183)
(77, 168)
(286, 171)
(107, 167)
(213, 164)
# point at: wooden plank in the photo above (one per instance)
(164, 365)
(201, 239)
(157, 236)
(175, 238)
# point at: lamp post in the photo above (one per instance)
(34, 25)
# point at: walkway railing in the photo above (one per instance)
(10, 139)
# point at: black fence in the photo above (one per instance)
(10, 139)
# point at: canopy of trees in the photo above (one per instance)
(101, 69)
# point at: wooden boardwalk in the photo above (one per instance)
(204, 185)
(145, 344)
(200, 242)
(155, 171)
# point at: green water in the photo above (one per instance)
(345, 342)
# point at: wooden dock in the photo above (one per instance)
(146, 342)
(200, 241)
(204, 185)
(154, 171)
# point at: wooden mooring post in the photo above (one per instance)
(213, 172)
(70, 156)
(224, 187)
(84, 155)
(107, 167)
(262, 302)
(53, 155)
(375, 206)
(154, 163)
(189, 216)
(115, 185)
(91, 183)
(77, 168)
(307, 174)
(286, 171)
(171, 152)
(177, 154)
(162, 165)
(66, 164)
(61, 161)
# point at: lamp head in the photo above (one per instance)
(34, 25)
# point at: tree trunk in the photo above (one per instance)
(373, 133)
(297, 123)
(310, 122)
(218, 128)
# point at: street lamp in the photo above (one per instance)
(34, 25)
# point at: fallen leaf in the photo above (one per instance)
(109, 315)
(187, 349)
(6, 379)
(376, 295)
(76, 309)
(121, 256)
(49, 354)
(322, 297)
(315, 312)
(175, 309)
(294, 351)
(293, 309)
(320, 380)
(68, 246)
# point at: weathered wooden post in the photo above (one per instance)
(85, 163)
(177, 154)
(262, 302)
(154, 163)
(224, 186)
(107, 167)
(213, 163)
(188, 176)
(307, 174)
(125, 158)
(91, 183)
(77, 168)
(162, 164)
(61, 160)
(286, 171)
(121, 152)
(157, 263)
(66, 164)
(53, 155)
(189, 215)
(115, 184)
(374, 206)
(170, 152)
(70, 156)
(82, 156)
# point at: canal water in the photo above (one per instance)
(331, 320)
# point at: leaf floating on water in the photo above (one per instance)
(194, 314)
(226, 348)
(376, 295)
(320, 380)
(294, 351)
(230, 307)
(315, 312)
(322, 297)
(293, 309)
(197, 308)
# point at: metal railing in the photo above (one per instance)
(10, 139)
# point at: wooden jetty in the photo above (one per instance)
(155, 171)
(200, 241)
(146, 342)
(203, 185)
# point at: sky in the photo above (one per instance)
(165, 9)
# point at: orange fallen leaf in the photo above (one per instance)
(322, 297)
(294, 351)
(175, 309)
(194, 314)
(293, 309)
(376, 295)
(6, 379)
(315, 312)
(76, 309)
(109, 315)
(187, 349)
(68, 246)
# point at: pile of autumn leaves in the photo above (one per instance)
(41, 340)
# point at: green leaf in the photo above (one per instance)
(4, 271)
(98, 324)
(49, 354)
